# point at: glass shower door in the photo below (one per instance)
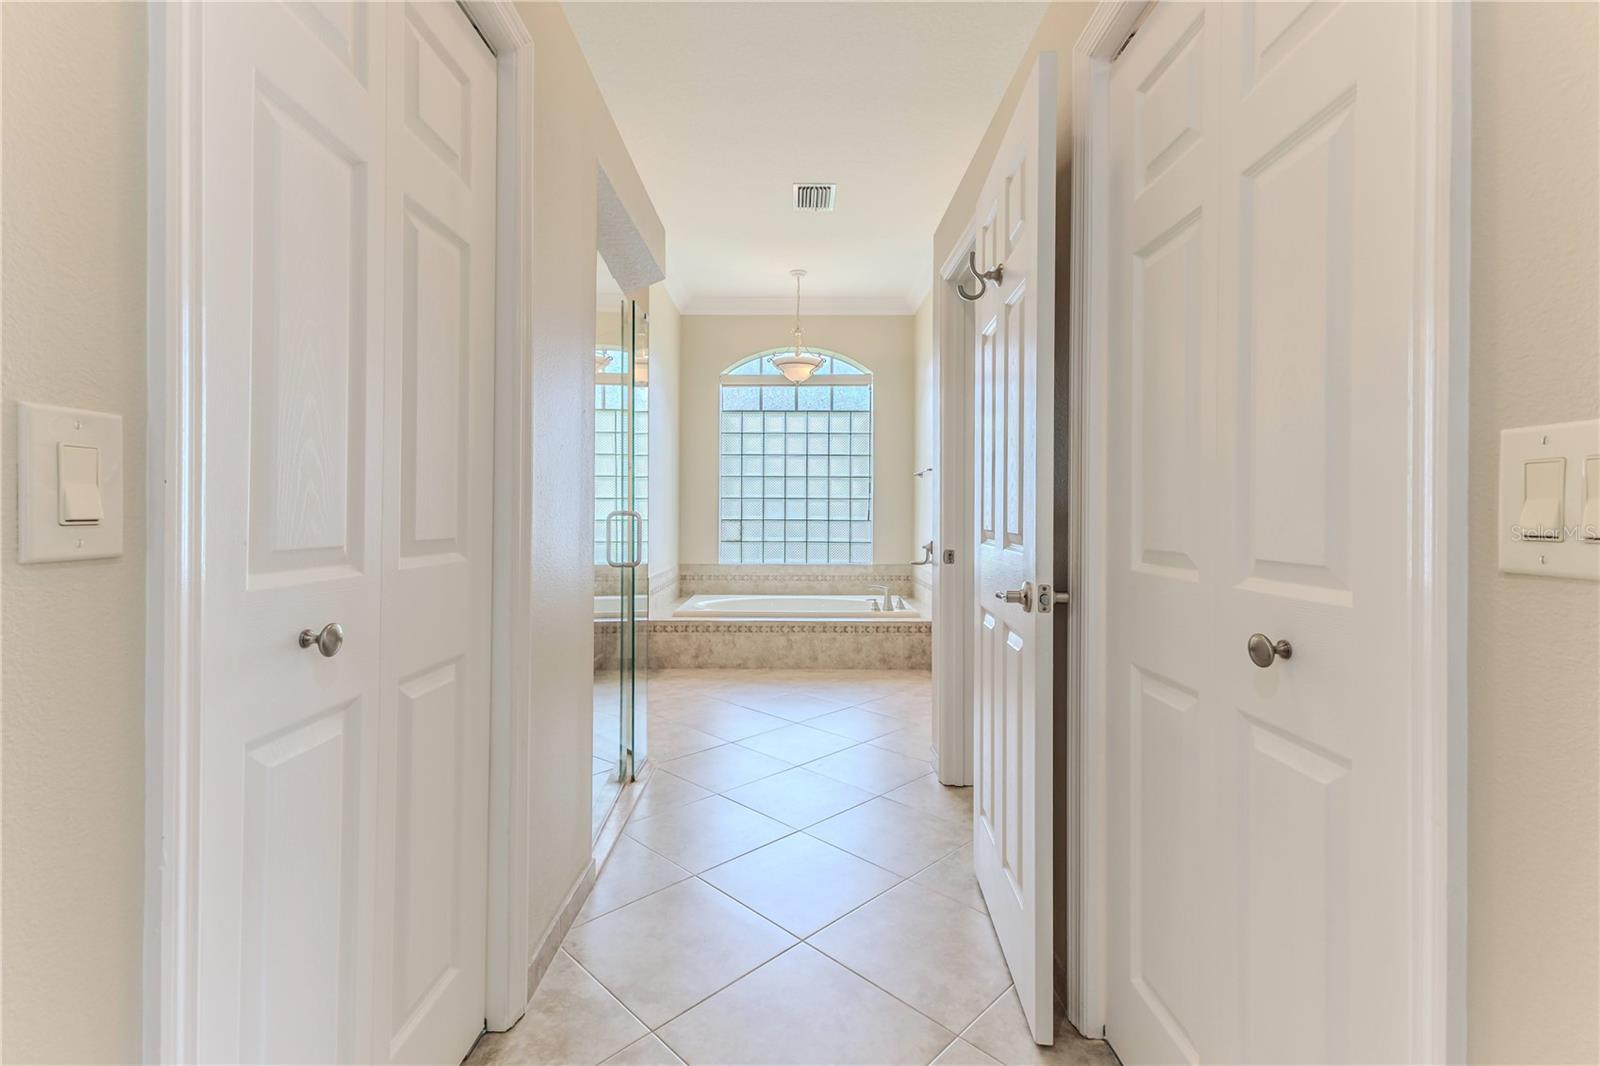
(610, 466)
(634, 627)
(621, 545)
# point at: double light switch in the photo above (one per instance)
(1550, 500)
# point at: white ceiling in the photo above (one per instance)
(724, 106)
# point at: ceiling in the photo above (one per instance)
(724, 106)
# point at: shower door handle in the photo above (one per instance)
(633, 558)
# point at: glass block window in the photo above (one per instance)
(616, 457)
(795, 469)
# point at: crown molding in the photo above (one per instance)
(886, 304)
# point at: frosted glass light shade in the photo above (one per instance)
(797, 366)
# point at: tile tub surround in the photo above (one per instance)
(889, 644)
(696, 578)
(806, 915)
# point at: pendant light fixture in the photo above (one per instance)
(799, 364)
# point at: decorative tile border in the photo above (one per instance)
(790, 628)
(897, 645)
(696, 578)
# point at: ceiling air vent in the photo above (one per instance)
(814, 197)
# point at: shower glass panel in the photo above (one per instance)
(636, 578)
(621, 537)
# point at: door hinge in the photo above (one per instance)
(1124, 47)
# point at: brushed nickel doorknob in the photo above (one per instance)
(1263, 652)
(328, 640)
(1024, 596)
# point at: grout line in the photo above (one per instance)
(968, 1028)
(615, 998)
(791, 831)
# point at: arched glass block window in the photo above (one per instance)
(795, 468)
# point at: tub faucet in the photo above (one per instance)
(887, 604)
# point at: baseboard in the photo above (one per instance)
(545, 951)
(561, 925)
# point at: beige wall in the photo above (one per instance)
(73, 333)
(665, 389)
(883, 343)
(574, 137)
(1533, 899)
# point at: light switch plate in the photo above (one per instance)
(1546, 500)
(41, 430)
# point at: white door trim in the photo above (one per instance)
(1437, 533)
(172, 575)
(952, 516)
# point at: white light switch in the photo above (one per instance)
(1544, 482)
(69, 484)
(78, 474)
(1550, 500)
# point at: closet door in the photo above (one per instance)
(292, 173)
(439, 212)
(1261, 596)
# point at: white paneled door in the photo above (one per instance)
(1262, 233)
(1014, 424)
(433, 741)
(346, 175)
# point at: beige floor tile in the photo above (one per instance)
(799, 797)
(874, 769)
(796, 706)
(862, 686)
(800, 883)
(903, 704)
(632, 871)
(857, 724)
(938, 955)
(698, 836)
(668, 951)
(729, 766)
(572, 1019)
(727, 720)
(914, 742)
(892, 835)
(1002, 1032)
(927, 795)
(647, 1051)
(954, 876)
(804, 1008)
(797, 743)
(670, 740)
(959, 1053)
(665, 791)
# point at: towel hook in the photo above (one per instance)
(983, 276)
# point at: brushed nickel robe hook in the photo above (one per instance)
(983, 276)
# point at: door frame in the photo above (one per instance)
(1436, 539)
(172, 572)
(953, 462)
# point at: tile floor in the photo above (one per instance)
(793, 886)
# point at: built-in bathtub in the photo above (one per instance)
(799, 608)
(609, 608)
(844, 631)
